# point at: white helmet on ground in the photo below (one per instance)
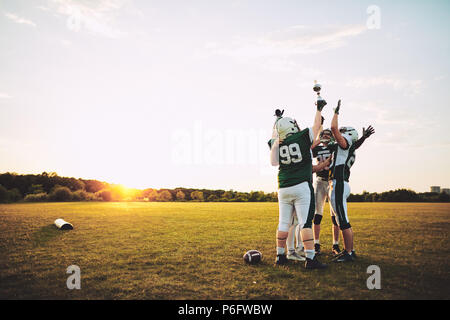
(349, 132)
(285, 127)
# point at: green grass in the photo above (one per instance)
(194, 251)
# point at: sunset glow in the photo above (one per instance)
(104, 89)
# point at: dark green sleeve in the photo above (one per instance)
(306, 135)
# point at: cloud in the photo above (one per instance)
(291, 41)
(97, 16)
(409, 87)
(19, 20)
(305, 40)
(4, 95)
(279, 50)
(395, 124)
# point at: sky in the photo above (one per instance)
(168, 94)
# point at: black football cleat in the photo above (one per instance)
(344, 256)
(335, 250)
(314, 264)
(354, 256)
(281, 260)
(317, 248)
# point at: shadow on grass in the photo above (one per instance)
(46, 234)
(273, 273)
(398, 280)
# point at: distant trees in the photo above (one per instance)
(399, 195)
(150, 194)
(47, 187)
(180, 195)
(256, 196)
(12, 195)
(36, 197)
(51, 187)
(3, 194)
(212, 198)
(164, 196)
(104, 195)
(60, 193)
(36, 188)
(93, 186)
(82, 195)
(227, 196)
(197, 196)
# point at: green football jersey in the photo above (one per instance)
(295, 159)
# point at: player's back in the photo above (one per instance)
(295, 159)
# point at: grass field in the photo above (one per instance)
(194, 251)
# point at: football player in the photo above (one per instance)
(294, 245)
(343, 159)
(291, 151)
(322, 152)
(293, 242)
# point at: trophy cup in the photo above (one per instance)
(317, 87)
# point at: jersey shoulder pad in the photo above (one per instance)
(349, 141)
(307, 135)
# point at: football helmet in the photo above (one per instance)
(349, 131)
(286, 126)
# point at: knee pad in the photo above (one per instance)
(333, 219)
(317, 219)
(345, 226)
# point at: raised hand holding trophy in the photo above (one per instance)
(320, 101)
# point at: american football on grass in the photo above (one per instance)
(252, 257)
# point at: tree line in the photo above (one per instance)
(51, 187)
(399, 195)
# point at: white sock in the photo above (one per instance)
(316, 241)
(310, 254)
(335, 242)
(280, 250)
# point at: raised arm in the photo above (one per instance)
(366, 133)
(316, 141)
(274, 153)
(335, 128)
(318, 118)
